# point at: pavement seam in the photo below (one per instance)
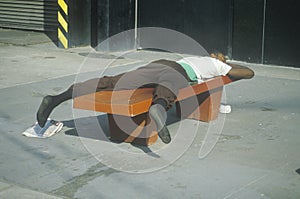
(6, 188)
(15, 185)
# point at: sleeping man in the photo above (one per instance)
(165, 76)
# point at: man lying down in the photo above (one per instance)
(165, 76)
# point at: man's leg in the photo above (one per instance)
(157, 112)
(90, 86)
(169, 82)
(163, 100)
(49, 103)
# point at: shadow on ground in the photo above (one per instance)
(83, 127)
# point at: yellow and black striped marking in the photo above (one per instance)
(63, 29)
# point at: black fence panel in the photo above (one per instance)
(165, 14)
(79, 23)
(248, 30)
(207, 22)
(113, 17)
(257, 31)
(282, 36)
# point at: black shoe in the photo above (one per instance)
(164, 135)
(157, 113)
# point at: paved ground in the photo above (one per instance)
(256, 155)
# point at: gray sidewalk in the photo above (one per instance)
(256, 156)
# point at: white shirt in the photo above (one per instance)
(206, 67)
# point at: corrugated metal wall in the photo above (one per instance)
(29, 14)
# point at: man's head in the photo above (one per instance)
(218, 56)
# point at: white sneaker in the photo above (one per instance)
(51, 127)
(225, 109)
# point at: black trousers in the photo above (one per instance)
(166, 76)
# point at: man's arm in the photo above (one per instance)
(238, 72)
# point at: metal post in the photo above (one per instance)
(263, 33)
(230, 28)
(136, 25)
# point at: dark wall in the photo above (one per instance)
(282, 40)
(247, 30)
(258, 31)
(207, 22)
(267, 31)
(79, 23)
(113, 17)
(166, 14)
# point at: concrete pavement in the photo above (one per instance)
(256, 156)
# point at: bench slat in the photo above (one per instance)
(135, 102)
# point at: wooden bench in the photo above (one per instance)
(127, 110)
